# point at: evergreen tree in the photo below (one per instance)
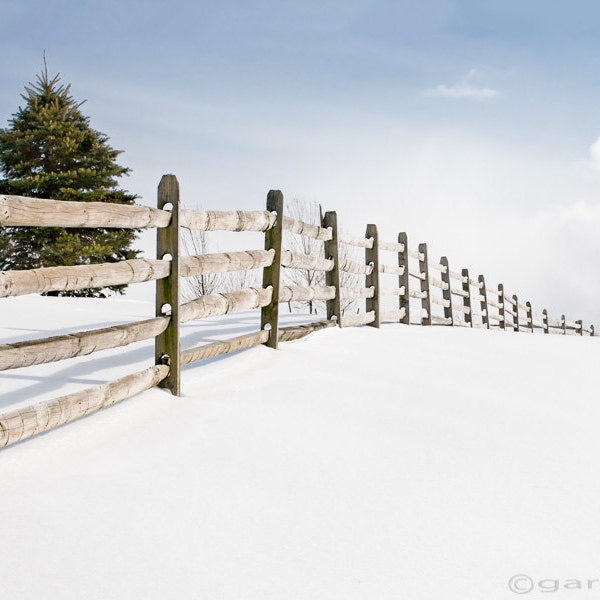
(49, 150)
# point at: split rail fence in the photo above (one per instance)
(461, 300)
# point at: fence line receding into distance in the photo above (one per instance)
(443, 296)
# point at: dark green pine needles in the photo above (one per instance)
(49, 150)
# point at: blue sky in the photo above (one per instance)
(467, 124)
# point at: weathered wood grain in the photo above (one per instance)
(372, 278)
(227, 220)
(391, 246)
(352, 293)
(167, 347)
(52, 349)
(224, 262)
(345, 238)
(483, 302)
(392, 315)
(213, 349)
(296, 260)
(80, 277)
(425, 297)
(404, 278)
(36, 212)
(269, 302)
(351, 266)
(466, 286)
(213, 305)
(306, 229)
(332, 277)
(20, 424)
(357, 320)
(296, 332)
(446, 291)
(308, 293)
(391, 269)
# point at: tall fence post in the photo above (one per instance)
(484, 303)
(592, 330)
(516, 317)
(447, 293)
(563, 323)
(425, 295)
(167, 348)
(272, 275)
(545, 321)
(529, 314)
(501, 300)
(372, 280)
(404, 279)
(332, 278)
(466, 286)
(580, 323)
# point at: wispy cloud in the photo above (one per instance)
(469, 87)
(463, 90)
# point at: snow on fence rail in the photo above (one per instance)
(468, 305)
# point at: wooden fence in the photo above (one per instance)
(460, 299)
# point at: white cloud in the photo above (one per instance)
(595, 154)
(463, 90)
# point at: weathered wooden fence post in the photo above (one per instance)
(529, 314)
(372, 280)
(272, 275)
(447, 293)
(484, 303)
(580, 323)
(501, 311)
(516, 317)
(404, 279)
(592, 330)
(466, 286)
(332, 278)
(563, 324)
(545, 321)
(425, 299)
(167, 349)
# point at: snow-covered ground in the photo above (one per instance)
(410, 462)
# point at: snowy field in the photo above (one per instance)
(405, 463)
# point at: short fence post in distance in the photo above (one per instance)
(167, 348)
(501, 312)
(516, 317)
(545, 321)
(332, 278)
(404, 279)
(580, 323)
(529, 314)
(466, 286)
(272, 275)
(563, 324)
(425, 299)
(592, 330)
(484, 304)
(372, 279)
(447, 294)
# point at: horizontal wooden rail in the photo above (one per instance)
(438, 283)
(359, 242)
(229, 220)
(213, 349)
(296, 332)
(458, 292)
(417, 255)
(416, 275)
(297, 260)
(441, 320)
(213, 305)
(357, 320)
(36, 212)
(204, 264)
(81, 277)
(356, 268)
(391, 246)
(457, 276)
(437, 267)
(354, 293)
(308, 293)
(52, 349)
(440, 301)
(23, 423)
(398, 291)
(306, 229)
(391, 269)
(417, 294)
(393, 315)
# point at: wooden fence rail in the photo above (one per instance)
(445, 297)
